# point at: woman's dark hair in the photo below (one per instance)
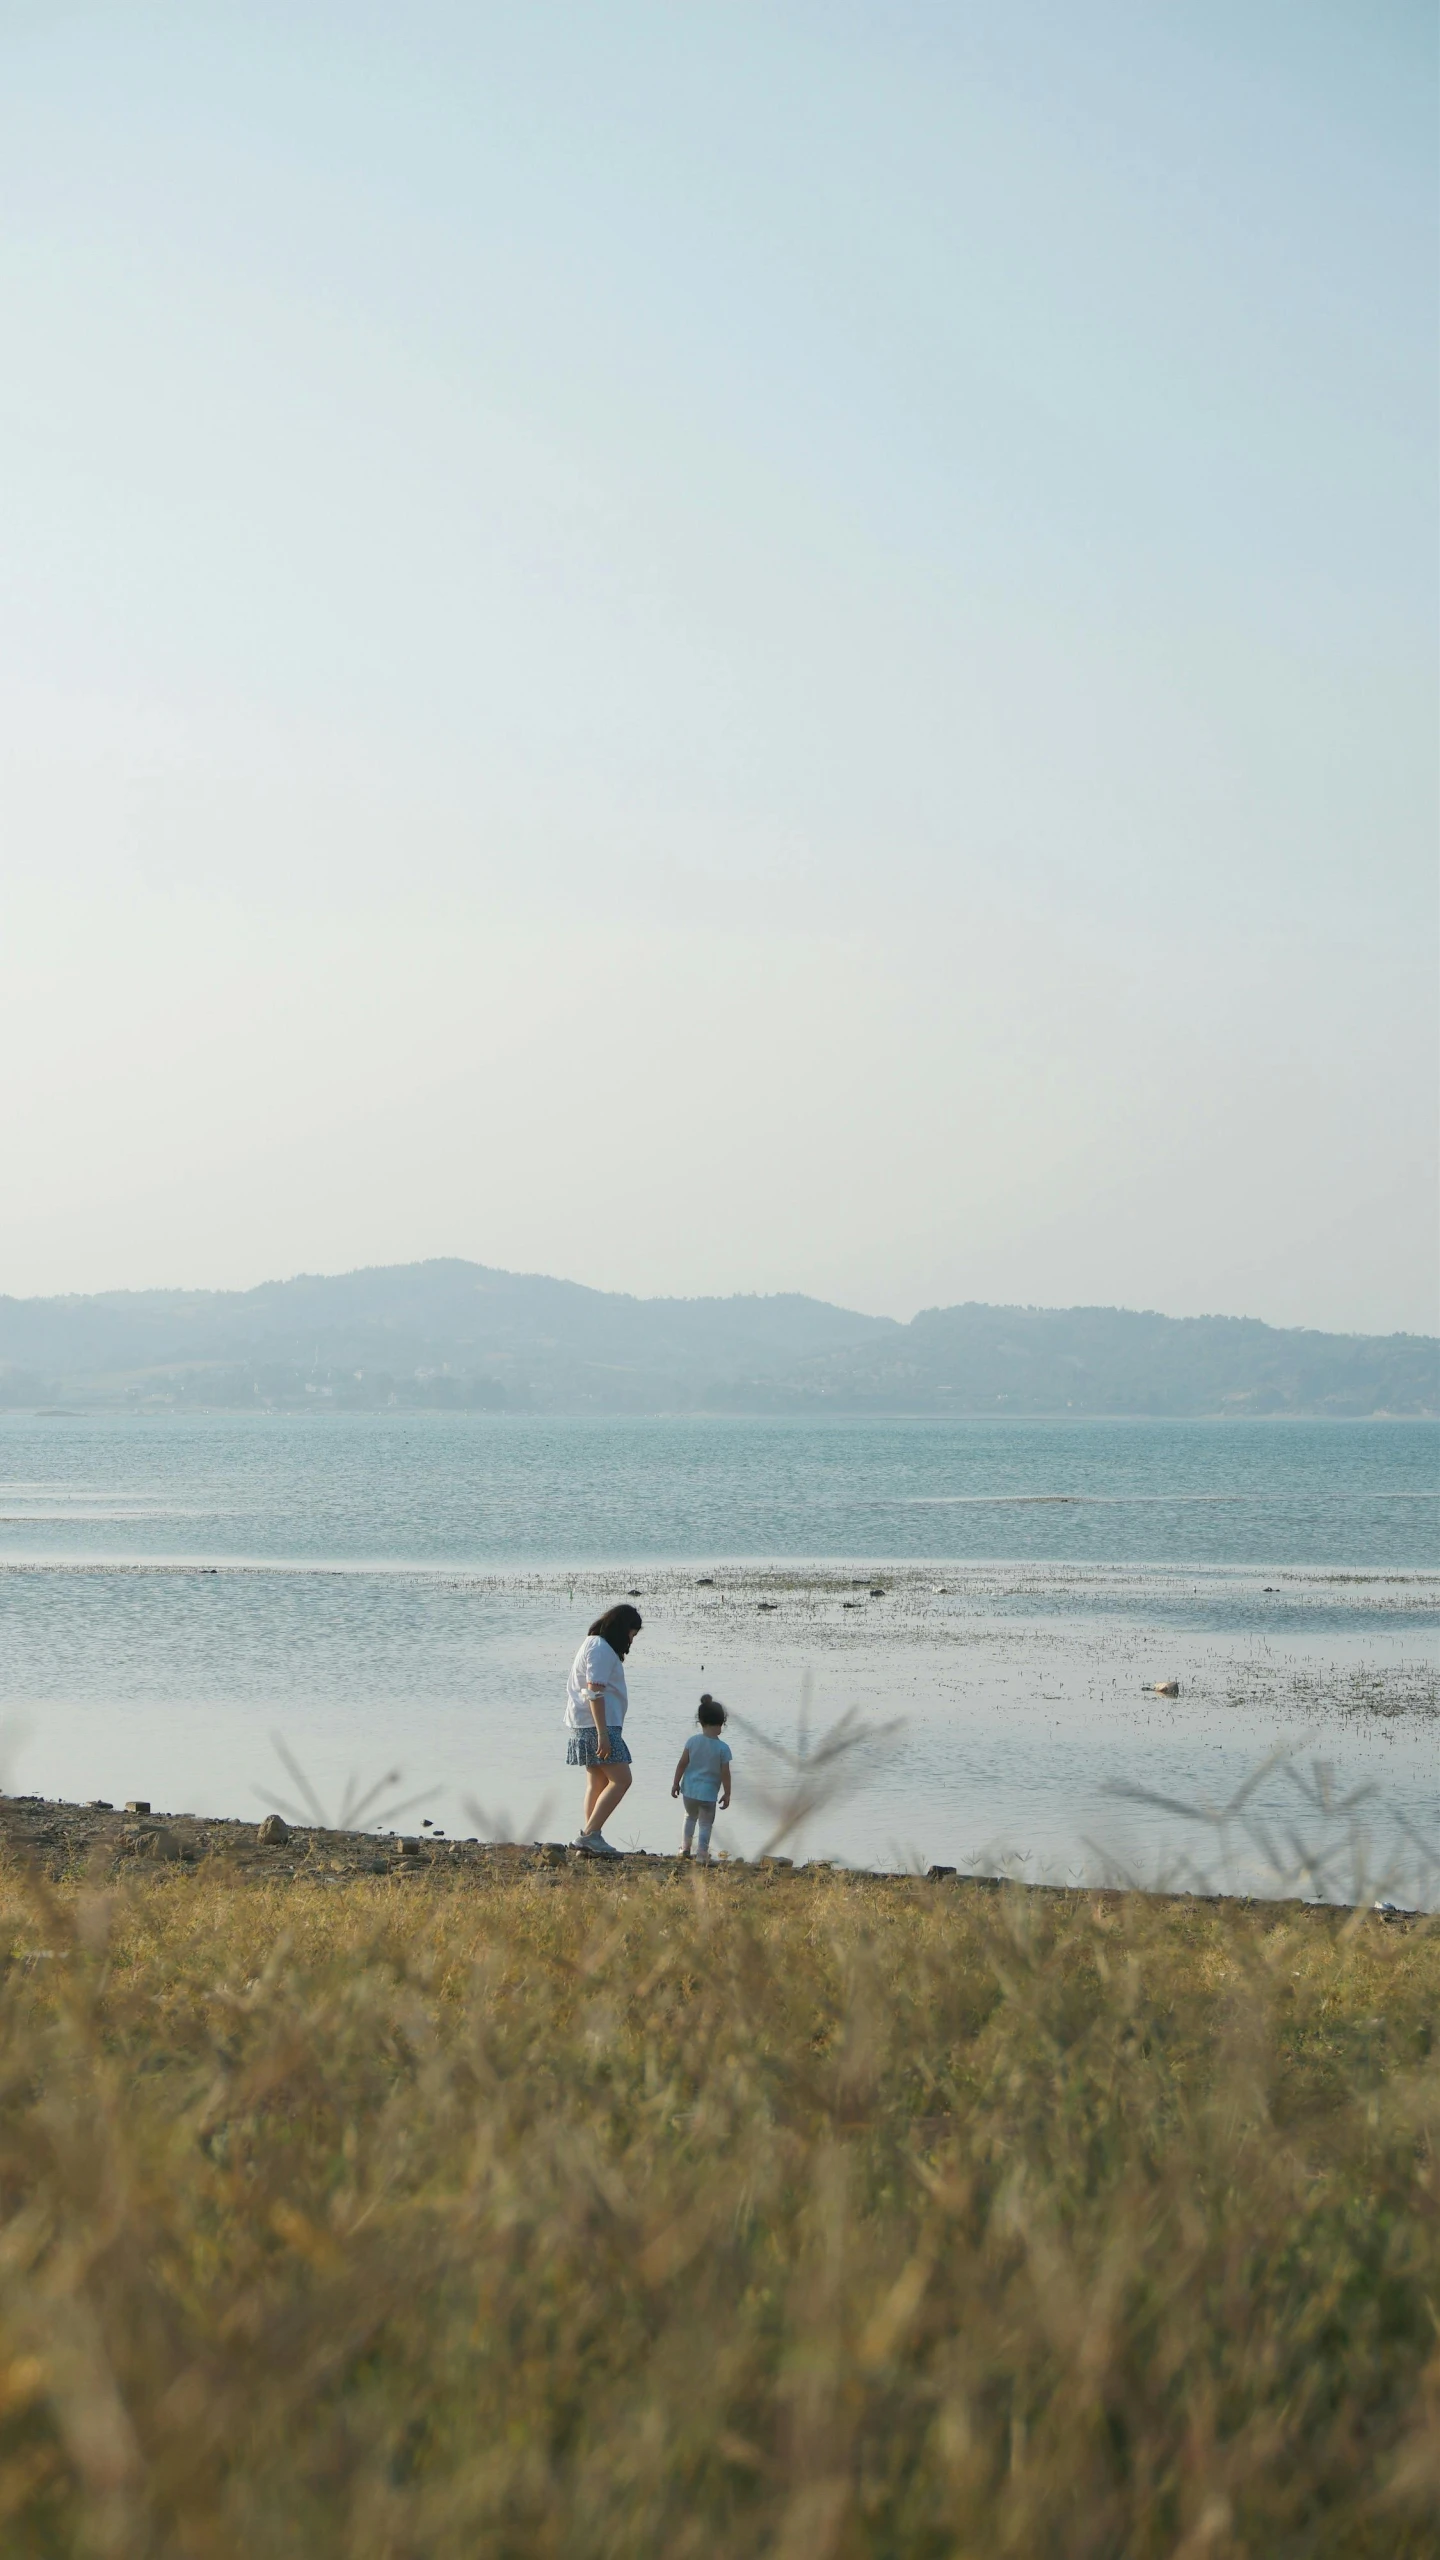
(711, 1711)
(619, 1621)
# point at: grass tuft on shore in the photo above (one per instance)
(560, 2216)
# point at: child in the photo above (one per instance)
(704, 1769)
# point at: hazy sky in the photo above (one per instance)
(711, 647)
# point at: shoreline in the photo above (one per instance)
(69, 1843)
(329, 1408)
(1372, 1592)
(1001, 1721)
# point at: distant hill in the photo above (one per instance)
(455, 1334)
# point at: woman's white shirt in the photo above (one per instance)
(597, 1665)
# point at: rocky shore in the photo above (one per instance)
(71, 1839)
(99, 1839)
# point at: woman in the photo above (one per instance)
(595, 1703)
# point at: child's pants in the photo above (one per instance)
(699, 1815)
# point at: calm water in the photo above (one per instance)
(498, 1489)
(401, 1591)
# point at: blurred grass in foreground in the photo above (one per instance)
(606, 2214)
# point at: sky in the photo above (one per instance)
(715, 648)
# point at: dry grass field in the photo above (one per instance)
(544, 2215)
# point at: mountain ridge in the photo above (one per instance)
(451, 1333)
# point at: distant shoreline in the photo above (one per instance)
(461, 1336)
(329, 1410)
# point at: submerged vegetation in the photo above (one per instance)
(533, 2212)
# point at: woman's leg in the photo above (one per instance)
(596, 1780)
(615, 1775)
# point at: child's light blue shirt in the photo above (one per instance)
(709, 1757)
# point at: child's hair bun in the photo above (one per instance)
(711, 1711)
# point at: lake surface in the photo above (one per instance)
(406, 1591)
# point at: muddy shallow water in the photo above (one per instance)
(405, 1593)
(999, 1719)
